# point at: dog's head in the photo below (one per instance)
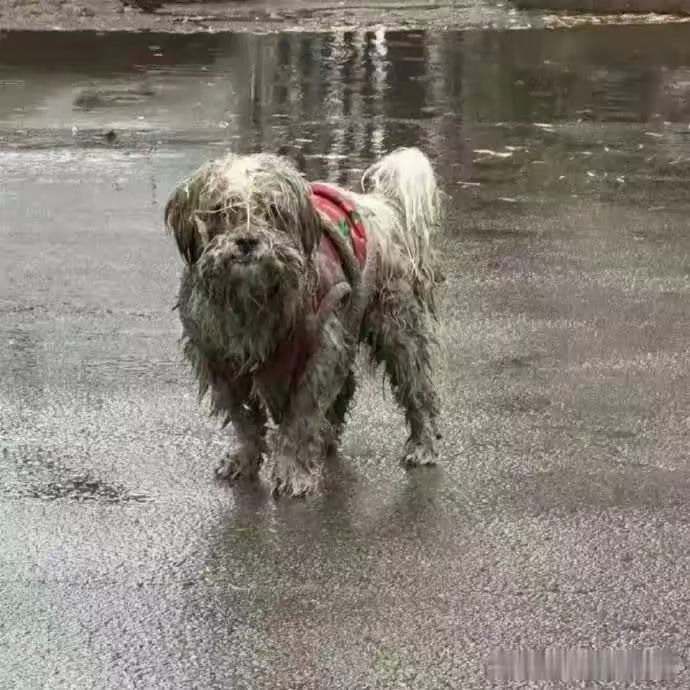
(246, 227)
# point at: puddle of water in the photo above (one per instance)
(582, 110)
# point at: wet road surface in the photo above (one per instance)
(558, 516)
(187, 16)
(264, 16)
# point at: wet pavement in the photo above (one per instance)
(190, 16)
(558, 516)
(272, 16)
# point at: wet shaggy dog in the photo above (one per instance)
(282, 283)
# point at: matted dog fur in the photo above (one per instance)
(268, 334)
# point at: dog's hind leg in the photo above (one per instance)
(248, 417)
(299, 450)
(397, 331)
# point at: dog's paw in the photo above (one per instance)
(417, 454)
(236, 466)
(289, 478)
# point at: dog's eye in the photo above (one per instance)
(276, 215)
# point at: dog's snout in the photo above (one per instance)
(246, 245)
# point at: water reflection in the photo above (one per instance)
(347, 96)
(325, 94)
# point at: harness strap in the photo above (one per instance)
(345, 230)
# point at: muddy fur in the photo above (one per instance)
(249, 235)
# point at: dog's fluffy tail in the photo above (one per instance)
(406, 178)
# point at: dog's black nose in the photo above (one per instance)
(246, 245)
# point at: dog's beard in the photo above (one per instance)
(255, 287)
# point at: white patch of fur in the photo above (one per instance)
(406, 180)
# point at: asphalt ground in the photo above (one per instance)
(271, 16)
(558, 515)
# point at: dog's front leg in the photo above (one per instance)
(234, 398)
(299, 450)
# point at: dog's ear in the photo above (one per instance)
(311, 228)
(178, 220)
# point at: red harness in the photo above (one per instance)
(290, 359)
(339, 210)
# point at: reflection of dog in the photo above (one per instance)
(283, 280)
